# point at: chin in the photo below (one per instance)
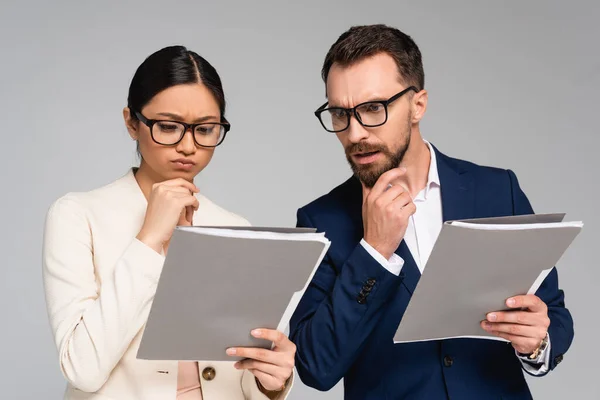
(369, 174)
(175, 174)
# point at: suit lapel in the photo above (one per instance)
(457, 189)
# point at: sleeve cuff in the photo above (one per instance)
(151, 262)
(252, 392)
(394, 264)
(540, 365)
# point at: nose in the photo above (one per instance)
(355, 131)
(187, 145)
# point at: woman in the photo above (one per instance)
(104, 250)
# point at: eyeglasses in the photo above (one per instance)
(369, 114)
(169, 133)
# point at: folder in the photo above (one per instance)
(475, 266)
(219, 283)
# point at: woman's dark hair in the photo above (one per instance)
(170, 66)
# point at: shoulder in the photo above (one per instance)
(494, 187)
(344, 199)
(210, 213)
(478, 170)
(484, 175)
(116, 195)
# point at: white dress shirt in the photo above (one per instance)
(423, 229)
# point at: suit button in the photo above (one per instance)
(448, 361)
(209, 373)
(558, 359)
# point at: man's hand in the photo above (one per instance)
(386, 209)
(525, 328)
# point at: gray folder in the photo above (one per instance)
(219, 283)
(475, 266)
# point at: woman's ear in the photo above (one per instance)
(131, 123)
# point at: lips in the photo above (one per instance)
(183, 164)
(365, 154)
(184, 161)
(366, 157)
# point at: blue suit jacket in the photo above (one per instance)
(338, 337)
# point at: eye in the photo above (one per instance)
(205, 129)
(337, 113)
(168, 127)
(374, 107)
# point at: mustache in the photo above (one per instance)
(362, 147)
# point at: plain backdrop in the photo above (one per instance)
(511, 84)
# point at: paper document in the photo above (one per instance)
(219, 283)
(475, 266)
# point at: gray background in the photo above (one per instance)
(511, 85)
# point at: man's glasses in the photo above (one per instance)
(369, 114)
(168, 133)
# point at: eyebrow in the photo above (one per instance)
(373, 98)
(179, 118)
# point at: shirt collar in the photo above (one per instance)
(433, 177)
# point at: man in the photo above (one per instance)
(383, 223)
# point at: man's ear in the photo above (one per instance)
(131, 123)
(419, 104)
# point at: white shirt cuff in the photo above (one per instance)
(542, 362)
(393, 265)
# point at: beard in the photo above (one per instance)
(370, 173)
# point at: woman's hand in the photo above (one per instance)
(170, 203)
(271, 367)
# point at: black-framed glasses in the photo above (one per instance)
(369, 114)
(169, 133)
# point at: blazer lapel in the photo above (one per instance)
(457, 189)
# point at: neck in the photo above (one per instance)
(416, 161)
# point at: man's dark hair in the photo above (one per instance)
(360, 42)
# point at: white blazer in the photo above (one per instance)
(99, 283)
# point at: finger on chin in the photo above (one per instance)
(189, 215)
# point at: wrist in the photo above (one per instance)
(383, 250)
(541, 347)
(150, 241)
(271, 394)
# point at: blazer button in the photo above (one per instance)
(448, 361)
(558, 359)
(209, 373)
